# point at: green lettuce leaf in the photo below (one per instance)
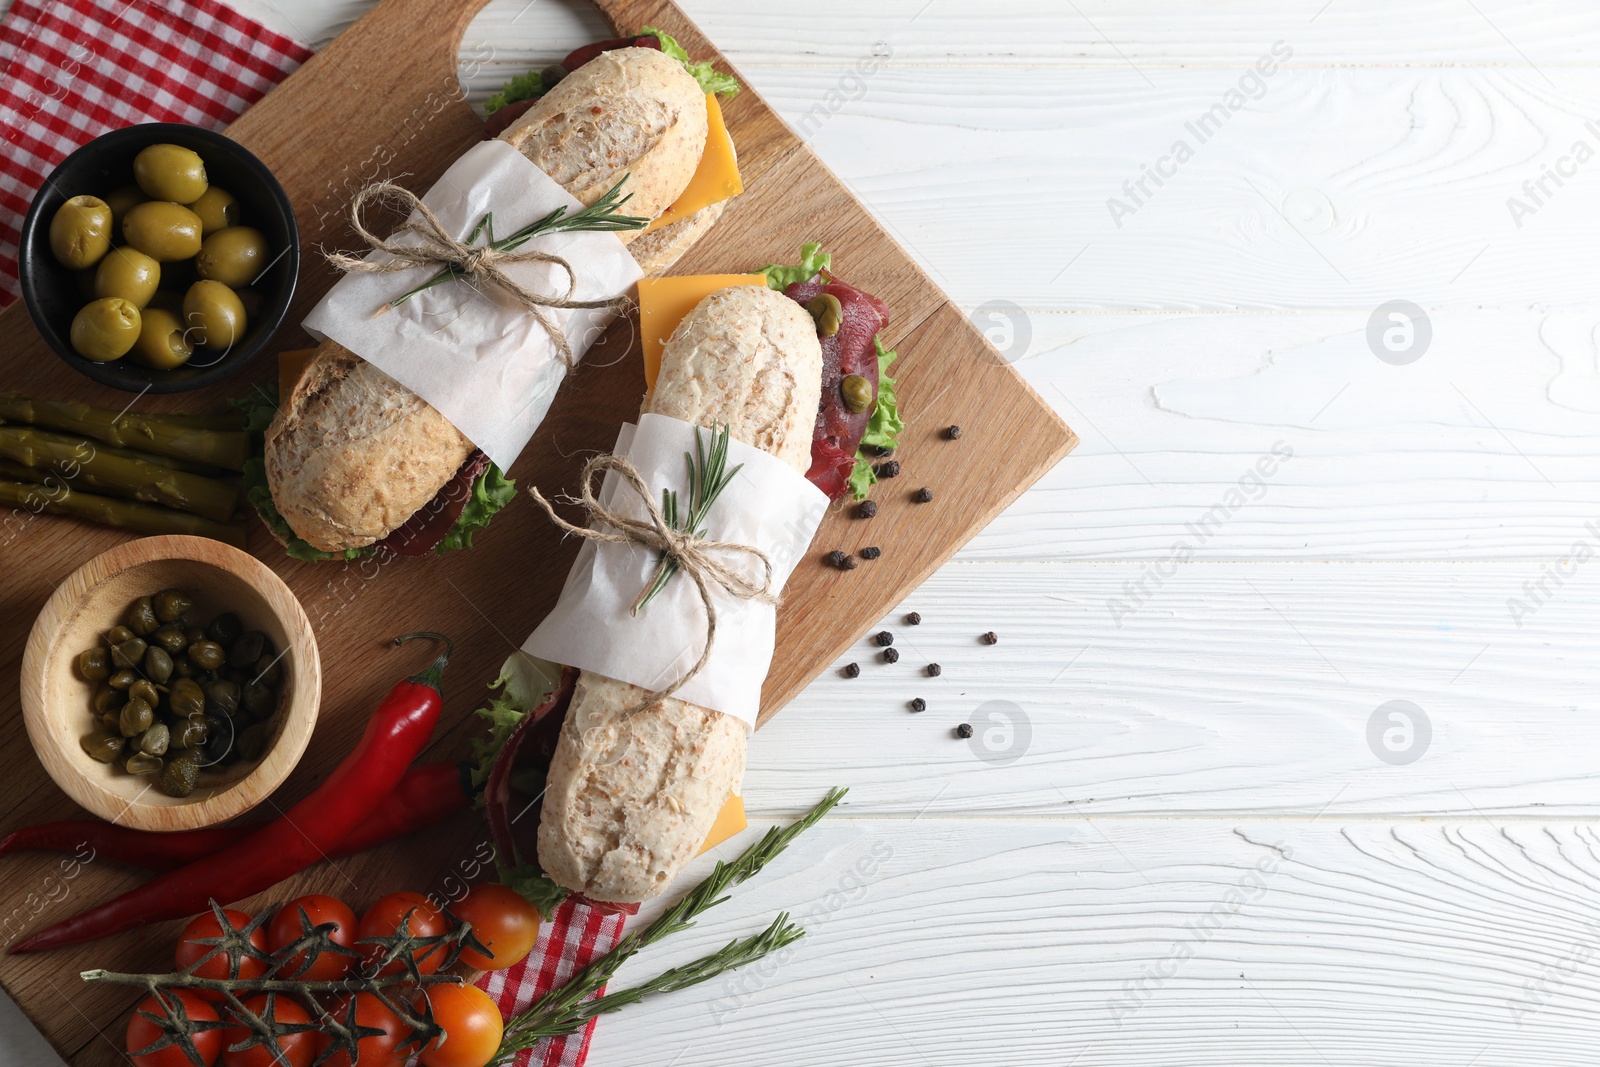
(711, 81)
(522, 87)
(813, 260)
(491, 491)
(883, 428)
(536, 887)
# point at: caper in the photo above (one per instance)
(237, 677)
(225, 629)
(135, 717)
(155, 740)
(94, 665)
(259, 700)
(223, 695)
(142, 763)
(102, 746)
(107, 699)
(252, 741)
(857, 392)
(188, 733)
(170, 604)
(186, 698)
(179, 776)
(219, 740)
(123, 679)
(247, 649)
(268, 670)
(144, 689)
(194, 634)
(207, 655)
(171, 638)
(130, 653)
(826, 312)
(182, 668)
(118, 634)
(157, 664)
(141, 617)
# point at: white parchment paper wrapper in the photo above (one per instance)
(482, 360)
(767, 505)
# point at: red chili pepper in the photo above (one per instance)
(305, 833)
(428, 793)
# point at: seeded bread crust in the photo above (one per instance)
(630, 798)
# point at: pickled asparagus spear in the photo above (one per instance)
(109, 511)
(213, 440)
(87, 466)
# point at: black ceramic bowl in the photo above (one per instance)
(52, 291)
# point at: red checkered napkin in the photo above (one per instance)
(74, 69)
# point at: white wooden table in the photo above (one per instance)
(1194, 827)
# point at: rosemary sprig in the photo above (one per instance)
(563, 1010)
(602, 216)
(708, 477)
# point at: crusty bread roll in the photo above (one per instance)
(630, 798)
(344, 475)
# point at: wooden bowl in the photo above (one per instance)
(55, 700)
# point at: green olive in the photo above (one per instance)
(130, 653)
(179, 776)
(207, 655)
(188, 733)
(135, 717)
(171, 604)
(170, 172)
(94, 665)
(163, 230)
(247, 650)
(102, 746)
(267, 670)
(154, 741)
(223, 696)
(827, 313)
(157, 664)
(121, 201)
(141, 617)
(123, 679)
(186, 699)
(217, 210)
(233, 256)
(108, 699)
(163, 342)
(80, 232)
(857, 393)
(128, 273)
(214, 315)
(225, 628)
(142, 763)
(170, 637)
(105, 329)
(118, 634)
(146, 690)
(252, 741)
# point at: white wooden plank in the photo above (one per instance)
(1222, 688)
(1136, 943)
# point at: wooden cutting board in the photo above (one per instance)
(384, 100)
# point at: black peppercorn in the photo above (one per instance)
(884, 638)
(919, 704)
(890, 469)
(952, 433)
(871, 552)
(891, 655)
(835, 558)
(866, 509)
(934, 670)
(848, 563)
(852, 670)
(991, 638)
(964, 730)
(914, 619)
(923, 495)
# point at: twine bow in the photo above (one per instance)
(434, 246)
(694, 555)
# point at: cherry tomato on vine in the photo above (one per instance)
(423, 919)
(472, 1027)
(375, 1051)
(190, 951)
(142, 1033)
(503, 920)
(285, 929)
(295, 1050)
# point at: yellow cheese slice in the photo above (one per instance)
(663, 302)
(730, 820)
(716, 178)
(290, 365)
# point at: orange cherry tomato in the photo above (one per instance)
(205, 927)
(472, 1027)
(295, 1050)
(379, 1050)
(503, 920)
(142, 1033)
(422, 918)
(285, 929)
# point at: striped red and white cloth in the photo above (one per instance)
(71, 70)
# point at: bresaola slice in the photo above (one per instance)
(838, 432)
(422, 532)
(501, 120)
